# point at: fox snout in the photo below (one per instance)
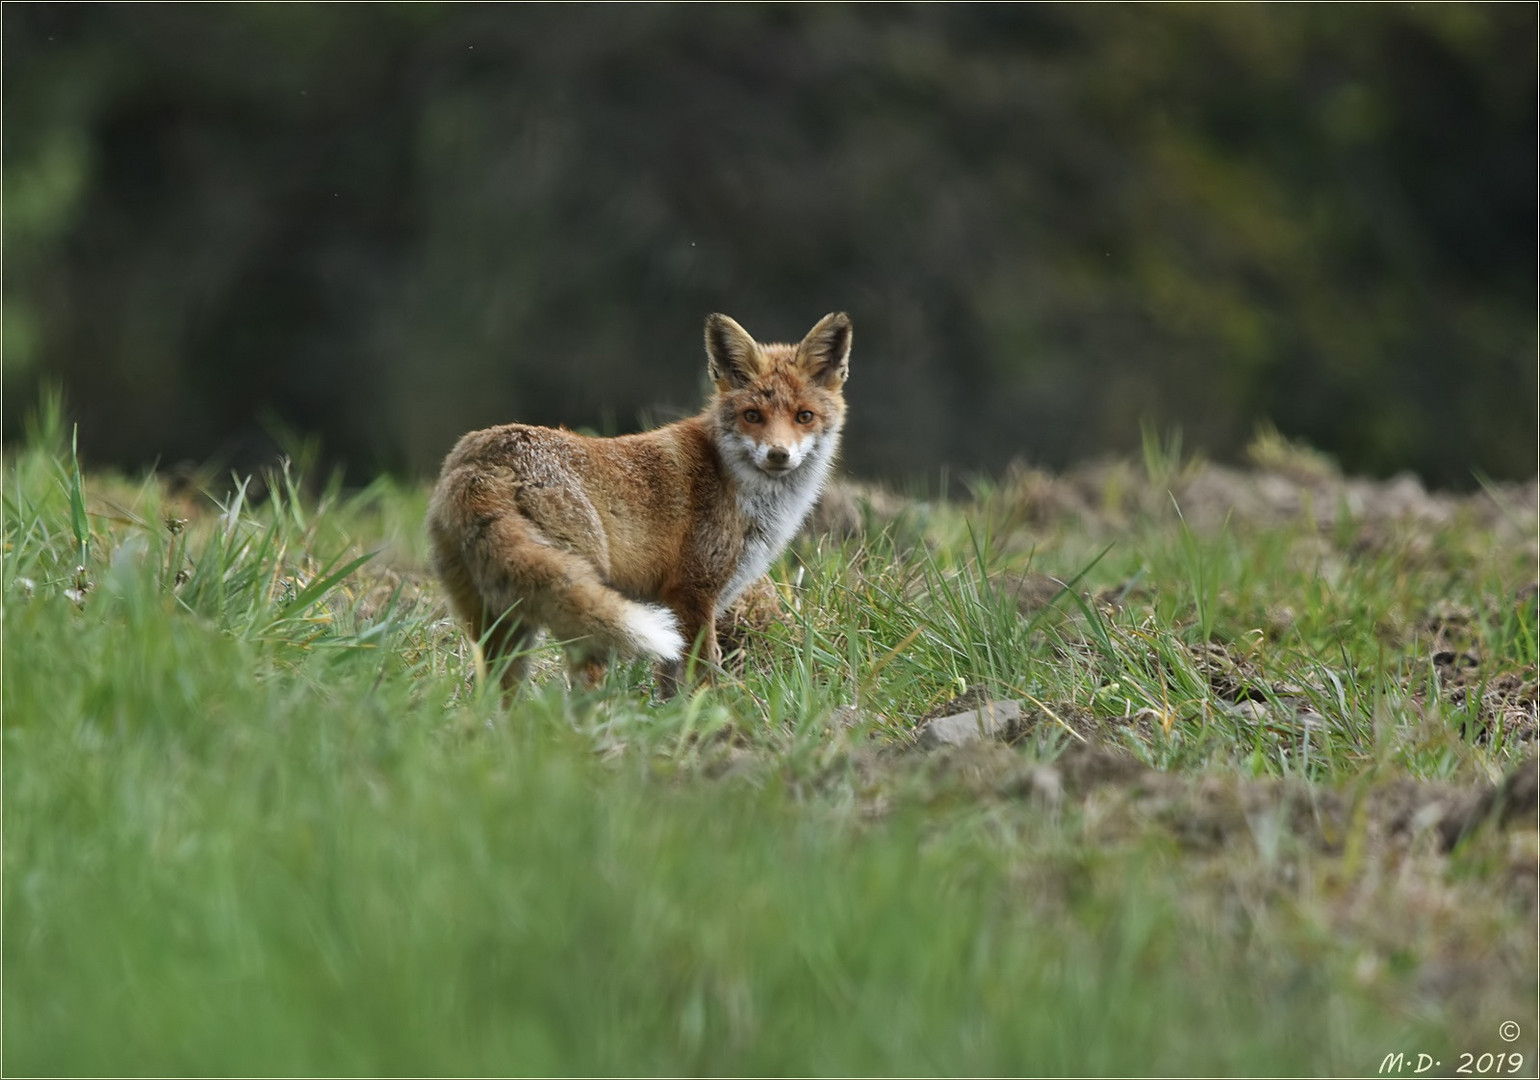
(780, 457)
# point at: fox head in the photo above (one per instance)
(778, 407)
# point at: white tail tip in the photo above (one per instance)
(655, 631)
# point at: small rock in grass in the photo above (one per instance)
(1255, 712)
(989, 721)
(1311, 720)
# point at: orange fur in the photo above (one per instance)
(632, 544)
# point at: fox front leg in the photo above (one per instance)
(697, 622)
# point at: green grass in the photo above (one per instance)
(261, 817)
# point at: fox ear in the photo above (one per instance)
(732, 356)
(825, 352)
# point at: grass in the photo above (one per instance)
(263, 817)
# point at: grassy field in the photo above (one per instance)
(1267, 807)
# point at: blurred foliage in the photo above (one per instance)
(385, 225)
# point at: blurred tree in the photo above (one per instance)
(385, 225)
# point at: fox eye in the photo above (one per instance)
(753, 416)
(805, 416)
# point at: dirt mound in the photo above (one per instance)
(1118, 796)
(1282, 486)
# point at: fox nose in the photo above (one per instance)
(778, 455)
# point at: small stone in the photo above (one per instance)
(1311, 720)
(1255, 712)
(989, 721)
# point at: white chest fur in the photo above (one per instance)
(776, 506)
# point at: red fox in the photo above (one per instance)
(633, 544)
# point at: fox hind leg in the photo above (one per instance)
(510, 567)
(504, 643)
(587, 669)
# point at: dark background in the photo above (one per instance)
(385, 225)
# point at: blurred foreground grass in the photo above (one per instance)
(262, 818)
